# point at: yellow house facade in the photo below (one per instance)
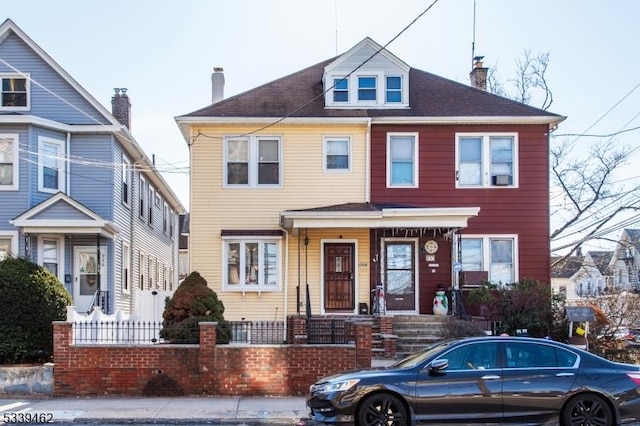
(259, 268)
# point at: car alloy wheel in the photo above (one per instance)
(587, 410)
(382, 409)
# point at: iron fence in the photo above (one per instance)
(257, 332)
(328, 331)
(112, 332)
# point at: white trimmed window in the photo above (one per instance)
(341, 89)
(402, 160)
(9, 162)
(495, 254)
(165, 218)
(337, 153)
(51, 255)
(143, 270)
(14, 94)
(8, 244)
(394, 89)
(125, 269)
(252, 264)
(253, 161)
(143, 194)
(51, 165)
(126, 180)
(150, 205)
(367, 89)
(484, 161)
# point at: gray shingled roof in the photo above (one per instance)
(430, 96)
(634, 236)
(601, 260)
(566, 268)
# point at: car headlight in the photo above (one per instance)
(329, 387)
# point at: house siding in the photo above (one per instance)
(523, 211)
(217, 208)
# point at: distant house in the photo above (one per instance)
(312, 189)
(626, 261)
(183, 247)
(582, 277)
(79, 196)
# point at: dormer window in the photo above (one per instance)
(341, 89)
(394, 89)
(14, 94)
(367, 89)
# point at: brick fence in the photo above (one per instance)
(204, 369)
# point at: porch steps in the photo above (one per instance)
(414, 332)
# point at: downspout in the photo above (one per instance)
(286, 279)
(134, 212)
(68, 166)
(367, 162)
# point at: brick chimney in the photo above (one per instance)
(217, 85)
(478, 74)
(121, 106)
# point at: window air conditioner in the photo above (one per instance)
(501, 180)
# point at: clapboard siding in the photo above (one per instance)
(52, 97)
(523, 211)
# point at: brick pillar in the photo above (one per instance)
(363, 345)
(62, 339)
(297, 330)
(387, 336)
(207, 357)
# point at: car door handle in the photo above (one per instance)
(490, 377)
(565, 375)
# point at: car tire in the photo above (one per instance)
(587, 409)
(382, 409)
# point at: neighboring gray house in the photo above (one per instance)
(626, 261)
(580, 277)
(78, 194)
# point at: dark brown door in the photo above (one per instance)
(339, 277)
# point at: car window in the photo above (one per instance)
(472, 356)
(533, 355)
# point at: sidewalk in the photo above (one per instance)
(179, 410)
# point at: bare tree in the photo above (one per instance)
(587, 199)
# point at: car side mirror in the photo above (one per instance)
(438, 366)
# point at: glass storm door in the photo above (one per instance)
(399, 276)
(86, 272)
(339, 277)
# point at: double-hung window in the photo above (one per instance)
(8, 162)
(494, 254)
(51, 165)
(143, 194)
(253, 161)
(125, 269)
(252, 264)
(394, 89)
(337, 155)
(341, 89)
(8, 244)
(402, 160)
(367, 88)
(486, 160)
(15, 92)
(126, 180)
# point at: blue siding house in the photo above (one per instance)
(79, 196)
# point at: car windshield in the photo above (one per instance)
(419, 357)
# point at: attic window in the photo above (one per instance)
(340, 89)
(394, 89)
(14, 93)
(367, 89)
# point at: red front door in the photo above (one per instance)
(339, 291)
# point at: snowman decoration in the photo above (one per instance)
(440, 302)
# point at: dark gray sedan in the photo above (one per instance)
(480, 380)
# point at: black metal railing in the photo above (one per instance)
(328, 331)
(257, 332)
(100, 299)
(113, 332)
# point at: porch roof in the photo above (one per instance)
(371, 216)
(61, 214)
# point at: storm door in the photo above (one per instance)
(339, 283)
(86, 273)
(399, 275)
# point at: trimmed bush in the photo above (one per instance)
(193, 302)
(31, 298)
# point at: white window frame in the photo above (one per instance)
(387, 90)
(486, 252)
(60, 163)
(126, 181)
(242, 286)
(150, 196)
(486, 180)
(59, 252)
(335, 80)
(125, 268)
(27, 78)
(325, 149)
(13, 237)
(15, 159)
(353, 86)
(416, 162)
(142, 206)
(253, 161)
(143, 274)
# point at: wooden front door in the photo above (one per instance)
(339, 283)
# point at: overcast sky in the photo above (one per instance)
(163, 52)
